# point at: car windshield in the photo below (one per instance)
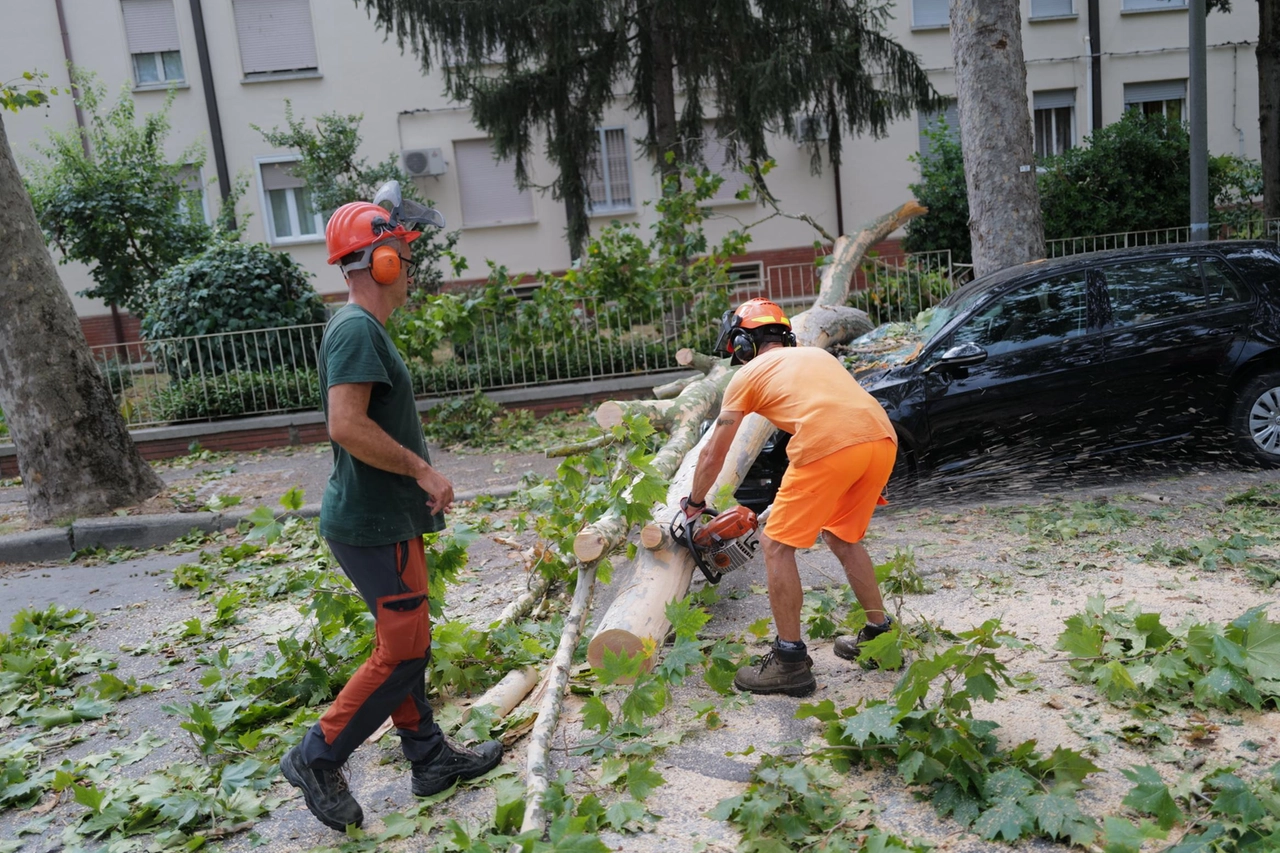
(948, 308)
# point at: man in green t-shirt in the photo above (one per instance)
(382, 496)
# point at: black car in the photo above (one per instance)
(1078, 355)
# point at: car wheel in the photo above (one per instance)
(1255, 420)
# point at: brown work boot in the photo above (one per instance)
(850, 647)
(775, 675)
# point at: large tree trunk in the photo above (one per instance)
(664, 129)
(1005, 223)
(1269, 104)
(74, 452)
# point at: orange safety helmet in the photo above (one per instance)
(359, 225)
(756, 320)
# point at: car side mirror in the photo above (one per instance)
(960, 355)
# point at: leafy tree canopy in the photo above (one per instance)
(533, 67)
(122, 207)
(329, 164)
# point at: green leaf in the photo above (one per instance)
(642, 779)
(1059, 816)
(686, 618)
(1235, 800)
(596, 714)
(1151, 796)
(89, 797)
(293, 499)
(619, 667)
(1006, 819)
(509, 792)
(876, 721)
(623, 815)
(1121, 836)
(1262, 648)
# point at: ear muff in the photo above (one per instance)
(385, 264)
(788, 339)
(743, 345)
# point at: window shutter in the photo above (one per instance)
(930, 13)
(1156, 90)
(610, 163)
(1051, 8)
(927, 120)
(488, 186)
(275, 35)
(279, 176)
(1053, 99)
(150, 26)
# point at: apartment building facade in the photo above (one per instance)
(233, 64)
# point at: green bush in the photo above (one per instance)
(941, 189)
(234, 287)
(116, 372)
(235, 394)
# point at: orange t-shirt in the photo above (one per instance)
(807, 392)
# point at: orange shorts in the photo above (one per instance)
(838, 492)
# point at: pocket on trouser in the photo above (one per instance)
(403, 627)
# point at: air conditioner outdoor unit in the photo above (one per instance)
(423, 161)
(807, 124)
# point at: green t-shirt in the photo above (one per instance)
(364, 505)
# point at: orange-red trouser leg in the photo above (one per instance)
(392, 579)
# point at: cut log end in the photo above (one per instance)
(619, 642)
(653, 536)
(609, 415)
(589, 545)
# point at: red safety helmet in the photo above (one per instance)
(755, 321)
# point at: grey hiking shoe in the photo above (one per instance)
(326, 791)
(775, 675)
(454, 762)
(850, 647)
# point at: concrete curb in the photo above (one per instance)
(143, 532)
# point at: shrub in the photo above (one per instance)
(235, 394)
(234, 287)
(941, 189)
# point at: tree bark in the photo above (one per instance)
(75, 453)
(1005, 223)
(662, 574)
(1268, 53)
(665, 130)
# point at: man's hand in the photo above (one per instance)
(439, 490)
(691, 509)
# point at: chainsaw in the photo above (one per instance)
(726, 542)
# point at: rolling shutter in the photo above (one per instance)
(279, 176)
(487, 186)
(150, 26)
(930, 13)
(1156, 90)
(1051, 8)
(275, 35)
(1053, 99)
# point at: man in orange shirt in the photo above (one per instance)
(841, 453)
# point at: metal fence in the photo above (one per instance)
(1249, 229)
(512, 344)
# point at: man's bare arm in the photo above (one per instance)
(351, 427)
(712, 455)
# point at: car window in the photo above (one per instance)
(1222, 287)
(1154, 289)
(1039, 313)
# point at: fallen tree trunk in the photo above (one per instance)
(661, 576)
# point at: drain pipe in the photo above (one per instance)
(211, 105)
(1095, 65)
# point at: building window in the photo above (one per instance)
(946, 121)
(1055, 117)
(1160, 97)
(1052, 9)
(193, 205)
(152, 33)
(1148, 5)
(275, 36)
(930, 13)
(721, 161)
(291, 217)
(609, 172)
(487, 186)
